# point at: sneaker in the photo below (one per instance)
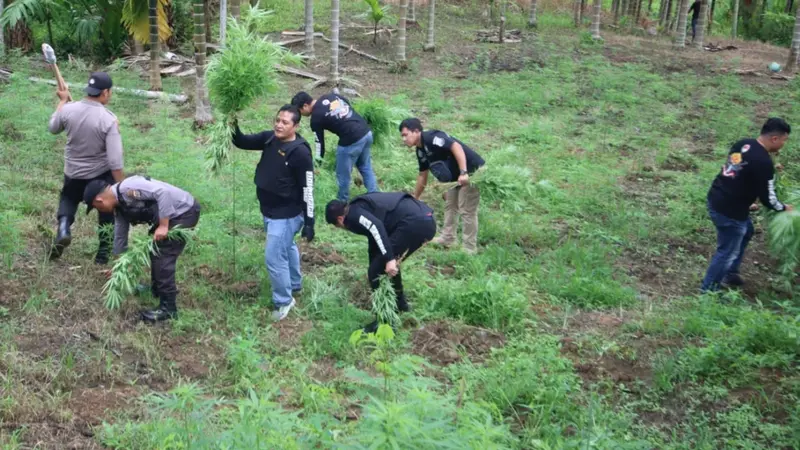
(733, 280)
(283, 311)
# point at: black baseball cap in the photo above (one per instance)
(93, 189)
(98, 81)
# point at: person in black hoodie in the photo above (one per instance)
(285, 188)
(396, 225)
(747, 175)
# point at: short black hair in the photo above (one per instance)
(776, 126)
(295, 112)
(334, 210)
(412, 123)
(301, 99)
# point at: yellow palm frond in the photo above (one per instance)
(136, 19)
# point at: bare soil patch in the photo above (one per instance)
(445, 343)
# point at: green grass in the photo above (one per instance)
(593, 237)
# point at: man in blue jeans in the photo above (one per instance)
(748, 174)
(285, 188)
(334, 113)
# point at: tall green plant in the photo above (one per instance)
(376, 13)
(238, 75)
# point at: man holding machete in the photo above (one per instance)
(93, 152)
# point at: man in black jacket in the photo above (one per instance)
(748, 174)
(396, 225)
(449, 160)
(334, 113)
(285, 188)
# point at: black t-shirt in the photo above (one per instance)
(275, 164)
(695, 10)
(748, 174)
(334, 113)
(436, 147)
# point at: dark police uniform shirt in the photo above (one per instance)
(172, 202)
(377, 215)
(282, 205)
(334, 113)
(747, 174)
(436, 146)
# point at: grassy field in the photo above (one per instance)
(578, 325)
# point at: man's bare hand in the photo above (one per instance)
(755, 207)
(160, 233)
(63, 95)
(391, 268)
(779, 167)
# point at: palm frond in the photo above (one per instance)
(21, 10)
(136, 19)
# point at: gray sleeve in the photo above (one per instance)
(56, 124)
(121, 228)
(114, 147)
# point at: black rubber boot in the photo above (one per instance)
(402, 304)
(167, 310)
(372, 327)
(63, 238)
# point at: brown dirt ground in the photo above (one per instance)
(444, 343)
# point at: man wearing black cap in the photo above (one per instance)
(93, 152)
(138, 200)
(396, 225)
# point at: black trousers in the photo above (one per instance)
(162, 265)
(406, 238)
(72, 196)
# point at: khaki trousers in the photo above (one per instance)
(461, 201)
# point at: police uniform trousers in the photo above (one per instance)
(162, 263)
(409, 235)
(72, 196)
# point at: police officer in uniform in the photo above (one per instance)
(449, 160)
(93, 152)
(285, 189)
(396, 225)
(143, 200)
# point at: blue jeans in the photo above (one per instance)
(356, 154)
(694, 28)
(283, 258)
(732, 239)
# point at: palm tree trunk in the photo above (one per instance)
(234, 7)
(532, 14)
(680, 37)
(701, 25)
(735, 19)
(223, 21)
(208, 15)
(596, 19)
(413, 12)
(623, 8)
(138, 47)
(2, 33)
(431, 44)
(577, 11)
(155, 48)
(662, 8)
(793, 52)
(649, 7)
(400, 45)
(334, 42)
(711, 16)
(48, 20)
(309, 42)
(202, 110)
(789, 5)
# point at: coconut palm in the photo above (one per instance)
(735, 19)
(2, 33)
(147, 21)
(701, 25)
(680, 37)
(596, 19)
(309, 42)
(400, 45)
(223, 21)
(334, 78)
(431, 44)
(234, 7)
(202, 112)
(532, 14)
(793, 52)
